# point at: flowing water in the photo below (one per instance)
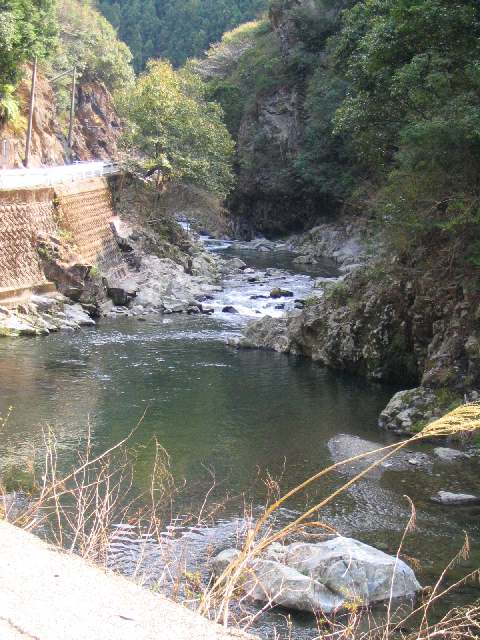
(232, 416)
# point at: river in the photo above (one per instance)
(233, 416)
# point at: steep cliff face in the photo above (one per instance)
(97, 127)
(269, 197)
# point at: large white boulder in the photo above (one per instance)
(326, 576)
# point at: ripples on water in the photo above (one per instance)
(229, 414)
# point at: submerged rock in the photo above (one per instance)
(325, 577)
(449, 455)
(305, 260)
(449, 498)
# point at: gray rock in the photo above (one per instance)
(406, 408)
(234, 264)
(449, 455)
(229, 309)
(120, 297)
(75, 314)
(266, 333)
(307, 259)
(279, 584)
(223, 559)
(448, 498)
(14, 325)
(327, 576)
(280, 293)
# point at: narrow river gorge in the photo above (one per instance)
(232, 415)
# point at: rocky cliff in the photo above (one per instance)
(270, 81)
(97, 127)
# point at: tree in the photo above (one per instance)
(28, 28)
(90, 42)
(413, 108)
(177, 131)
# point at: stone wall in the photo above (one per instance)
(82, 211)
(23, 214)
(85, 212)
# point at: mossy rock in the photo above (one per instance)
(280, 293)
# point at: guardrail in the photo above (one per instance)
(49, 176)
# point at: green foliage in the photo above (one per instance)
(179, 132)
(28, 28)
(9, 110)
(175, 29)
(413, 108)
(89, 42)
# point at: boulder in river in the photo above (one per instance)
(326, 576)
(306, 259)
(236, 264)
(449, 498)
(449, 455)
(280, 293)
(75, 313)
(229, 309)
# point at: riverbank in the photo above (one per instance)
(224, 414)
(410, 323)
(138, 263)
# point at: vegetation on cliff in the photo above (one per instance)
(61, 34)
(28, 28)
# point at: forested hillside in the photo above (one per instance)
(175, 29)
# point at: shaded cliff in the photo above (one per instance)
(261, 77)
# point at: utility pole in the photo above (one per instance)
(30, 114)
(72, 109)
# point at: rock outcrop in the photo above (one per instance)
(408, 324)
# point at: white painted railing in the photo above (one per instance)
(48, 176)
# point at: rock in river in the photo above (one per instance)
(326, 576)
(449, 455)
(280, 293)
(446, 497)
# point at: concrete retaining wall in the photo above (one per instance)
(23, 214)
(83, 209)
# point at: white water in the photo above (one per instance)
(248, 291)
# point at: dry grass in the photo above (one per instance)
(224, 589)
